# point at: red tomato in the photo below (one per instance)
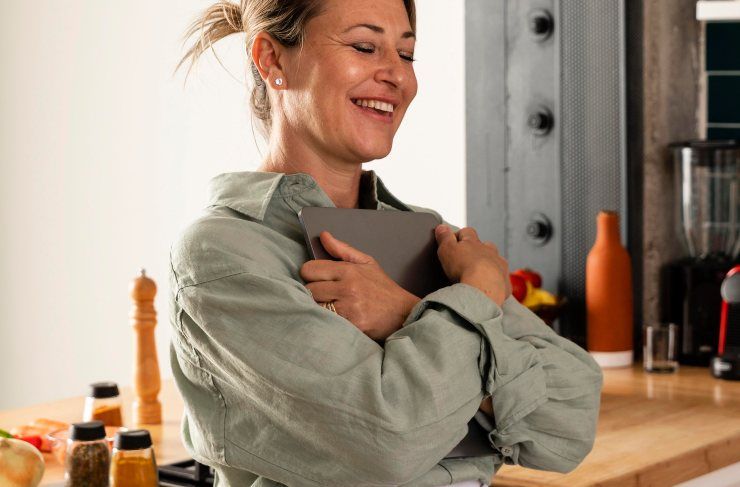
(518, 287)
(531, 276)
(35, 440)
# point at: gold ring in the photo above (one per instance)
(329, 305)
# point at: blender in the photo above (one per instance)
(707, 216)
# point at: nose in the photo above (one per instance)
(392, 71)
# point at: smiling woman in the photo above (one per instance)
(326, 372)
(286, 23)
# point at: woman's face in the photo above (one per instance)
(356, 51)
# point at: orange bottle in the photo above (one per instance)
(609, 296)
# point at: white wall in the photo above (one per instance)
(104, 157)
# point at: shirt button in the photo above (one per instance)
(507, 451)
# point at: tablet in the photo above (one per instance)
(402, 242)
(404, 245)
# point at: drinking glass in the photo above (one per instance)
(660, 348)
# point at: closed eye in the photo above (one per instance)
(369, 50)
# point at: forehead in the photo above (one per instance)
(391, 15)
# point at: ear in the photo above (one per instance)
(266, 53)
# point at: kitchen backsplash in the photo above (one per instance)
(723, 80)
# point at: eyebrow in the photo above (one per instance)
(379, 30)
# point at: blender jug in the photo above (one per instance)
(706, 184)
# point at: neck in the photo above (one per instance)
(607, 228)
(338, 178)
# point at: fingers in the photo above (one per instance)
(444, 234)
(322, 270)
(467, 233)
(342, 250)
(325, 291)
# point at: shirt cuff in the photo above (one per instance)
(467, 301)
(517, 382)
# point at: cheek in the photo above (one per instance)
(331, 86)
(309, 104)
(337, 73)
(409, 93)
(413, 87)
(351, 73)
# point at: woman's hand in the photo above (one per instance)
(466, 259)
(359, 288)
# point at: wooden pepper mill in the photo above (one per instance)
(147, 408)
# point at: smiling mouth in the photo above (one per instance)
(377, 114)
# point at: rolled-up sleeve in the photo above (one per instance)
(546, 392)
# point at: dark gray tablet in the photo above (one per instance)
(402, 242)
(404, 245)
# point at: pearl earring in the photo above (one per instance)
(279, 81)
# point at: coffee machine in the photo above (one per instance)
(726, 365)
(707, 175)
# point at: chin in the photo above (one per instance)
(376, 151)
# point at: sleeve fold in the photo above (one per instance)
(546, 393)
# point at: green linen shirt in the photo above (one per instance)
(281, 391)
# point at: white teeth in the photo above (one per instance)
(379, 105)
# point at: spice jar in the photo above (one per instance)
(88, 458)
(133, 463)
(103, 404)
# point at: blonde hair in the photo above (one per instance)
(284, 20)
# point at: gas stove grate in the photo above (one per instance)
(187, 473)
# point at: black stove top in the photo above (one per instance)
(188, 473)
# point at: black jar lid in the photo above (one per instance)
(102, 390)
(132, 440)
(89, 431)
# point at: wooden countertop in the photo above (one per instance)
(653, 430)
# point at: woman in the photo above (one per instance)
(299, 372)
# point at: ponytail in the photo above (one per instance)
(217, 21)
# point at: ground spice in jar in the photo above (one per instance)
(133, 463)
(103, 403)
(88, 459)
(110, 415)
(137, 471)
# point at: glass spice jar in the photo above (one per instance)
(88, 458)
(133, 463)
(103, 403)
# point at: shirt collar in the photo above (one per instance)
(250, 192)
